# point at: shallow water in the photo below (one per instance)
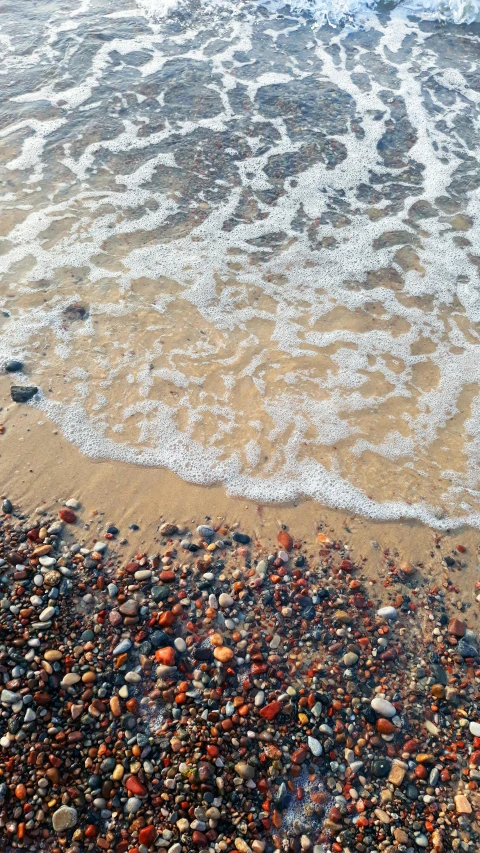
(243, 243)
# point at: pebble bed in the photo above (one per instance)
(214, 697)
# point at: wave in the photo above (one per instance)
(336, 11)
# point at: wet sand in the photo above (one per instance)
(39, 470)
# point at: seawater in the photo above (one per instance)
(242, 241)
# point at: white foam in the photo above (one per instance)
(335, 11)
(219, 365)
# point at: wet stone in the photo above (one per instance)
(381, 767)
(22, 393)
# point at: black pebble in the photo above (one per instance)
(22, 393)
(241, 537)
(112, 529)
(13, 366)
(381, 767)
(134, 527)
(7, 506)
(159, 639)
(449, 561)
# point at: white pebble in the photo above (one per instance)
(387, 612)
(47, 614)
(314, 746)
(383, 707)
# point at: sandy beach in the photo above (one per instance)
(239, 426)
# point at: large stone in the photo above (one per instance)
(64, 818)
(129, 607)
(244, 770)
(223, 654)
(383, 707)
(22, 393)
(462, 805)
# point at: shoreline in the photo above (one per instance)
(40, 470)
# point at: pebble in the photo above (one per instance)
(22, 393)
(64, 818)
(383, 707)
(47, 614)
(13, 366)
(314, 746)
(387, 612)
(122, 647)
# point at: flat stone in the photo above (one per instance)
(47, 614)
(225, 600)
(22, 393)
(64, 818)
(241, 538)
(474, 729)
(462, 805)
(397, 774)
(129, 607)
(350, 659)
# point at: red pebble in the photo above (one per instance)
(135, 786)
(147, 835)
(271, 710)
(166, 656)
(167, 576)
(285, 540)
(91, 831)
(67, 515)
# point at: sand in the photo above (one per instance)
(40, 470)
